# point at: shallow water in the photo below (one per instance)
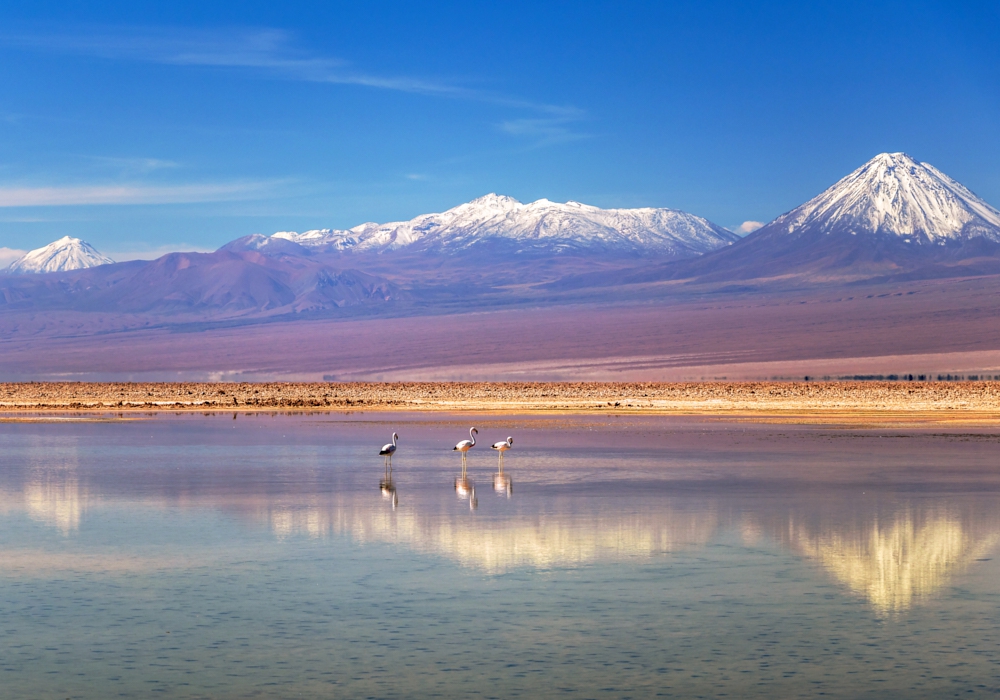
(257, 556)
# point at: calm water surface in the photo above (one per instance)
(264, 556)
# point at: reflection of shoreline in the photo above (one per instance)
(892, 562)
(497, 546)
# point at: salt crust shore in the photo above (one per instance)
(932, 400)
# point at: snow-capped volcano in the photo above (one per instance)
(538, 226)
(892, 215)
(893, 194)
(59, 256)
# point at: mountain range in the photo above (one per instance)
(892, 221)
(470, 251)
(502, 223)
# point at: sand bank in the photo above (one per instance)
(962, 401)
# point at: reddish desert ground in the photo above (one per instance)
(922, 327)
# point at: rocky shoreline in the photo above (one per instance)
(874, 397)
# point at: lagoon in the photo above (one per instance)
(262, 555)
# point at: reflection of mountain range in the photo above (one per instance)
(496, 546)
(893, 561)
(893, 557)
(53, 494)
(56, 501)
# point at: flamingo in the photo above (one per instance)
(502, 447)
(387, 452)
(465, 446)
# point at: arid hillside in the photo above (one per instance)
(926, 327)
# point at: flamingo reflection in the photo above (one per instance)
(503, 484)
(466, 488)
(388, 489)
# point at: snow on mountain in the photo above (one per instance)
(59, 256)
(538, 225)
(893, 194)
(320, 238)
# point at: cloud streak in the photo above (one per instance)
(545, 131)
(273, 53)
(154, 253)
(133, 165)
(268, 51)
(131, 194)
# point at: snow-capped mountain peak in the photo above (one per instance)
(59, 256)
(893, 194)
(494, 201)
(539, 226)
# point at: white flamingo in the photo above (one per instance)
(388, 450)
(465, 446)
(501, 482)
(502, 447)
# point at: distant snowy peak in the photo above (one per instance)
(59, 256)
(540, 225)
(893, 194)
(320, 238)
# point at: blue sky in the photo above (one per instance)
(144, 127)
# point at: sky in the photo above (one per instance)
(150, 127)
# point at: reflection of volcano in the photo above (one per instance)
(497, 546)
(894, 562)
(55, 502)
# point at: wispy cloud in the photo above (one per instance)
(545, 131)
(154, 253)
(131, 194)
(9, 255)
(272, 52)
(27, 219)
(268, 50)
(748, 227)
(133, 165)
